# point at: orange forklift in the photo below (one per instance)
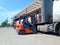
(24, 26)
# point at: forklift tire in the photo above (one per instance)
(34, 31)
(21, 32)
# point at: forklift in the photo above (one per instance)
(24, 26)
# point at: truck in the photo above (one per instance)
(48, 20)
(44, 21)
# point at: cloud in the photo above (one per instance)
(2, 8)
(5, 13)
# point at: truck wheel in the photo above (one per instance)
(58, 29)
(58, 32)
(22, 32)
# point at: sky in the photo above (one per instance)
(9, 8)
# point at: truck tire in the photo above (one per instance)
(21, 32)
(57, 29)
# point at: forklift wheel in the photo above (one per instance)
(34, 31)
(21, 32)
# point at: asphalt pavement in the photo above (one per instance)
(8, 36)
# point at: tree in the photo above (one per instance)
(0, 25)
(5, 23)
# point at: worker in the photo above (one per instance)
(26, 23)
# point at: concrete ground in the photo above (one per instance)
(8, 36)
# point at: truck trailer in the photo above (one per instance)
(44, 21)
